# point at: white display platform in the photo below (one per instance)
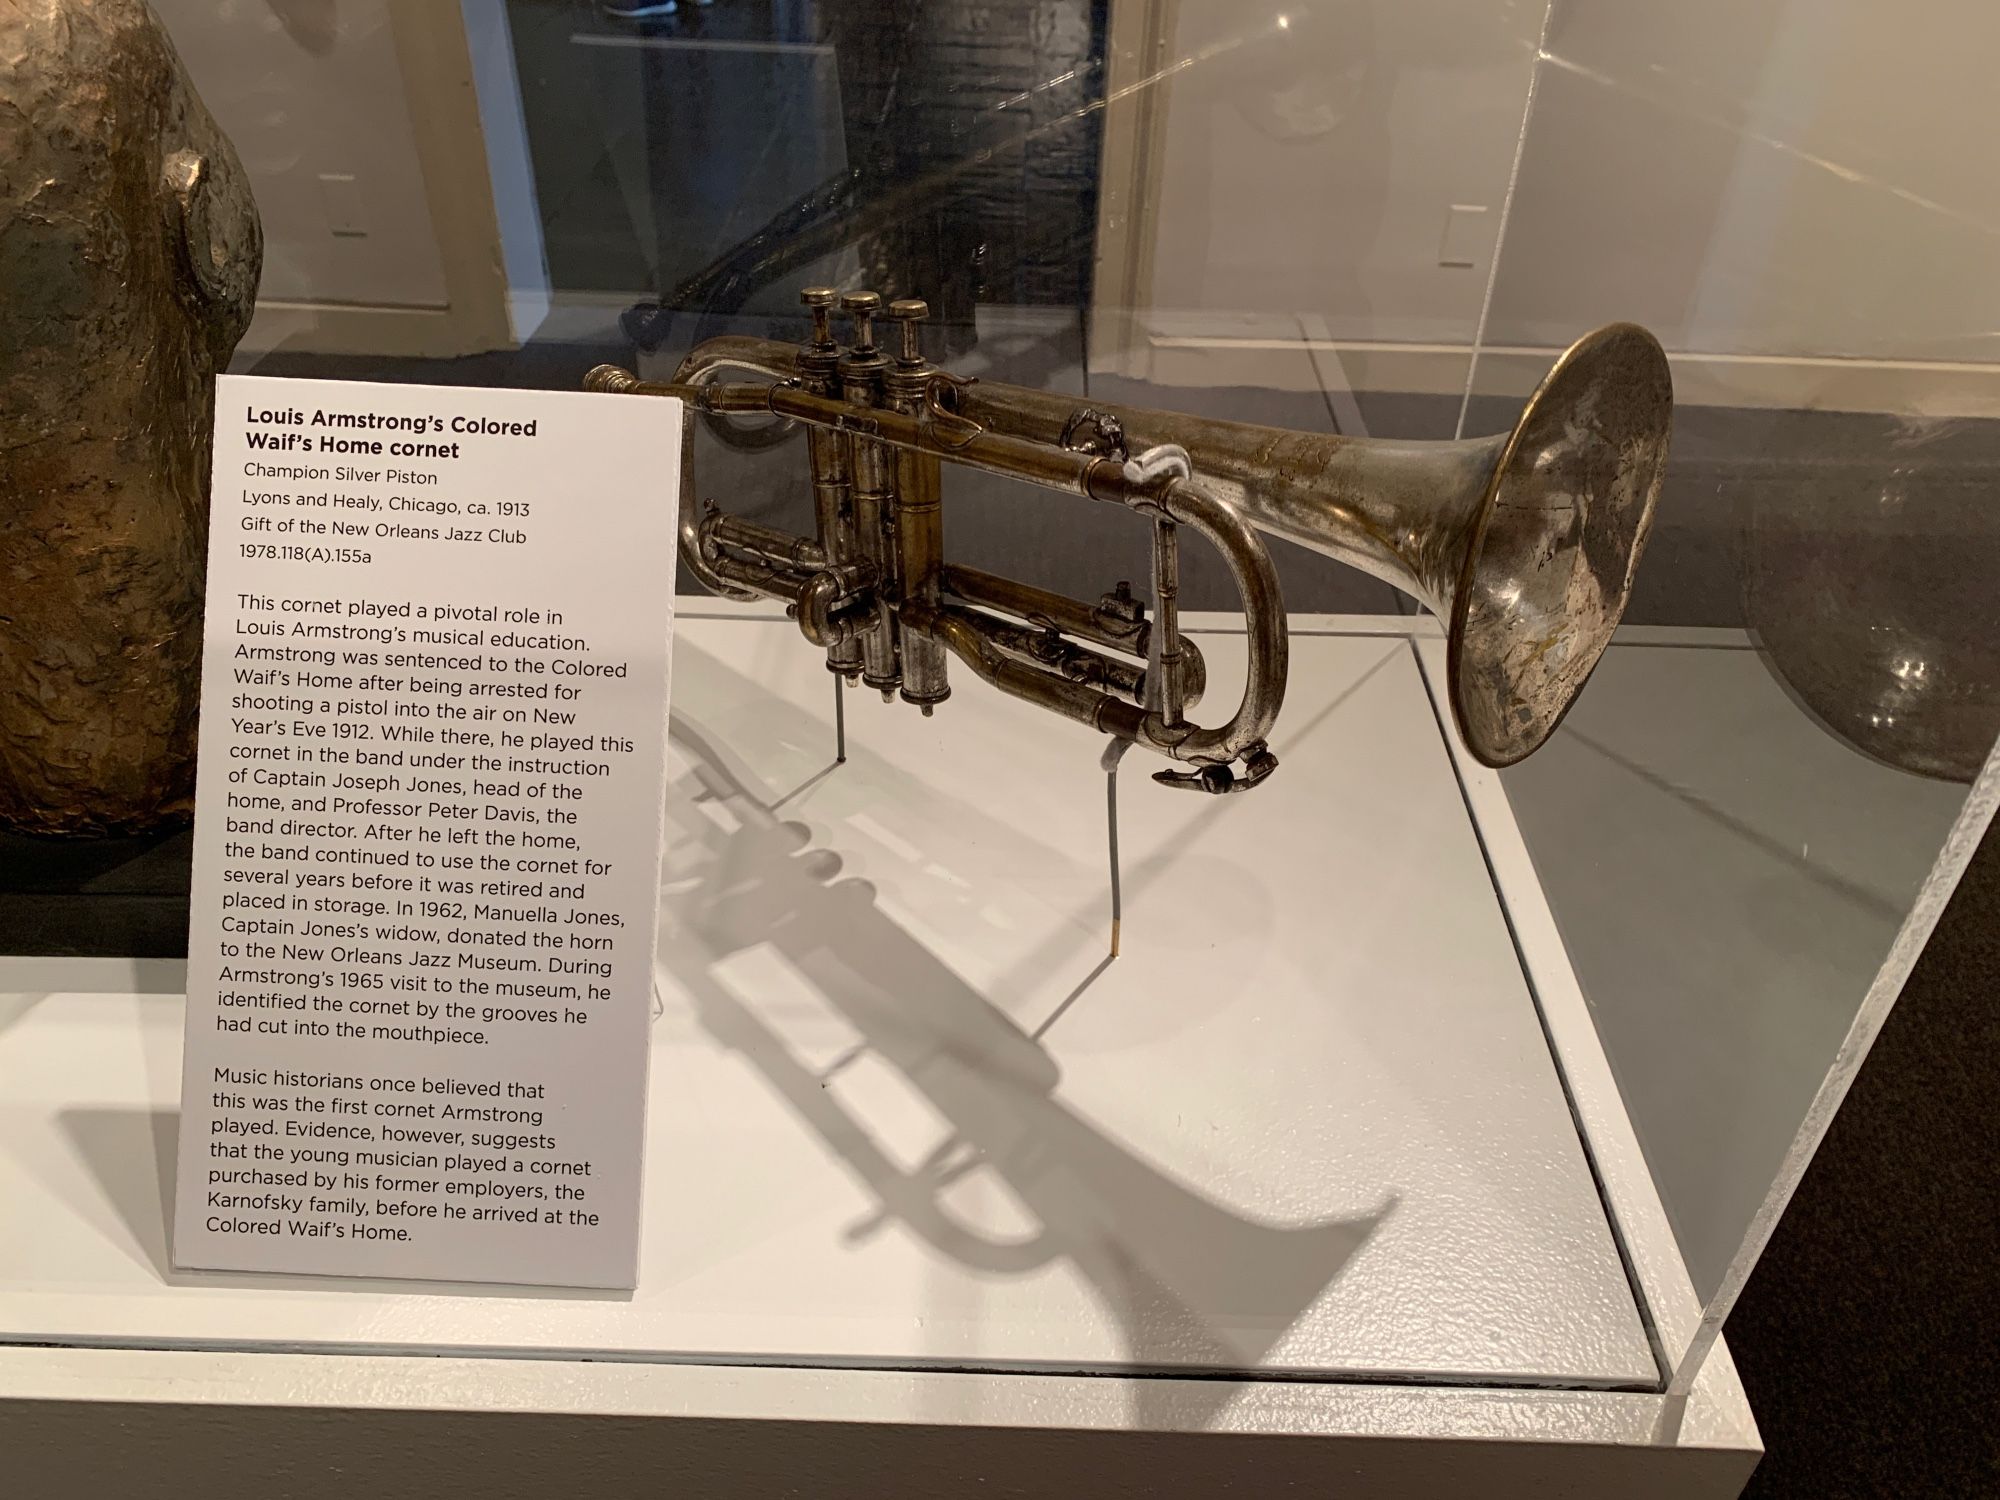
(906, 1118)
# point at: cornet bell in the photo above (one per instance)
(1554, 540)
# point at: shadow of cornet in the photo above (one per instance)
(1192, 1285)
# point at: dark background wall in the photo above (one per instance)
(717, 155)
(1866, 1336)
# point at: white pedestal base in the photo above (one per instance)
(906, 1118)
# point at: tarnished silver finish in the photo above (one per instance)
(1524, 543)
(862, 367)
(832, 463)
(919, 517)
(129, 257)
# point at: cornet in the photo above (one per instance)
(1524, 543)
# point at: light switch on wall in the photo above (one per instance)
(1465, 235)
(340, 196)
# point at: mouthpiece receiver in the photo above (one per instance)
(610, 378)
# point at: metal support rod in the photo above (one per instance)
(1111, 831)
(1114, 752)
(839, 720)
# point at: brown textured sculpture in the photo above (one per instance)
(129, 256)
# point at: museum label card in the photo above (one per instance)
(427, 832)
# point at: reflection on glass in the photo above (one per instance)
(1761, 182)
(933, 148)
(1868, 584)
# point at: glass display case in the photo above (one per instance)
(1443, 1084)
